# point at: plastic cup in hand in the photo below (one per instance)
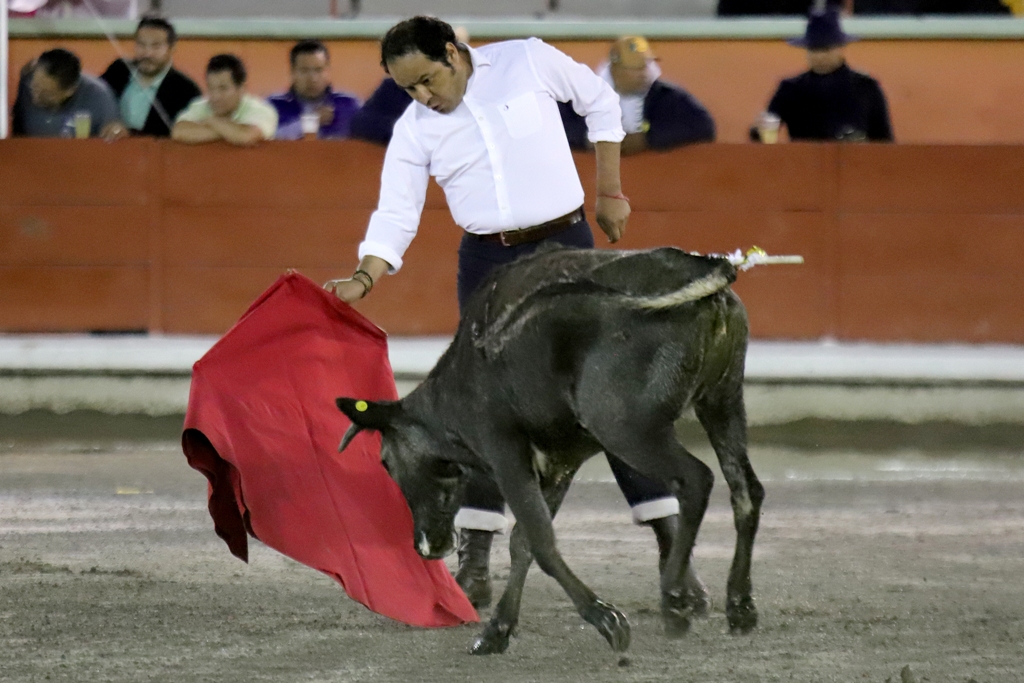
(310, 125)
(83, 124)
(768, 128)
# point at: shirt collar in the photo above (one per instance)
(328, 92)
(477, 59)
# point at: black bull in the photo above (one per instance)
(558, 356)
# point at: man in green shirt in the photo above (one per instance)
(227, 112)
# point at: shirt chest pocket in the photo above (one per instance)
(521, 115)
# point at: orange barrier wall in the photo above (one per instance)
(903, 243)
(939, 91)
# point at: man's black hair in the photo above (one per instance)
(227, 62)
(62, 66)
(308, 47)
(152, 21)
(428, 35)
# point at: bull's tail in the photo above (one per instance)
(698, 289)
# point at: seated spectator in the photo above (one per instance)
(150, 91)
(227, 112)
(831, 101)
(376, 118)
(655, 114)
(311, 92)
(53, 90)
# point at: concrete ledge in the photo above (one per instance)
(564, 28)
(786, 382)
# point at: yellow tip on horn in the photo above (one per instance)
(361, 406)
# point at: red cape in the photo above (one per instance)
(263, 427)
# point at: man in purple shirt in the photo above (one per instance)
(311, 92)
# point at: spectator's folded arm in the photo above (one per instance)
(193, 132)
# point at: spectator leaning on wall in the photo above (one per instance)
(53, 91)
(150, 91)
(311, 92)
(227, 112)
(655, 114)
(830, 101)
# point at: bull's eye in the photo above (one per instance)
(445, 469)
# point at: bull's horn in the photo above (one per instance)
(349, 435)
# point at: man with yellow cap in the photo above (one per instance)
(655, 114)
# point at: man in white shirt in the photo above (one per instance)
(485, 123)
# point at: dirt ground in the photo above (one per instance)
(865, 564)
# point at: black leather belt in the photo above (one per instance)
(511, 238)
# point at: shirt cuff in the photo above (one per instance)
(368, 248)
(615, 135)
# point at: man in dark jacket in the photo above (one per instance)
(376, 118)
(655, 114)
(149, 90)
(830, 101)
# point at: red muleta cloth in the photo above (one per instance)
(263, 427)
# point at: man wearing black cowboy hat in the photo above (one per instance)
(831, 101)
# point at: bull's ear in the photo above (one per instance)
(376, 415)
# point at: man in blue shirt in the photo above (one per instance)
(311, 92)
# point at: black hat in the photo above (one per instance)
(823, 32)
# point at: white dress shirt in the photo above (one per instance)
(501, 156)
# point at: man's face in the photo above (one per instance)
(827, 60)
(630, 80)
(310, 75)
(223, 94)
(46, 91)
(152, 51)
(433, 84)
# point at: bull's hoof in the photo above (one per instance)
(676, 612)
(610, 623)
(741, 614)
(699, 599)
(493, 640)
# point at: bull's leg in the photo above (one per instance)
(495, 636)
(724, 419)
(655, 451)
(523, 493)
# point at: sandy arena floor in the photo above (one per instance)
(110, 571)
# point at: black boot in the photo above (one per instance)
(665, 530)
(473, 575)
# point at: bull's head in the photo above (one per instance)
(414, 457)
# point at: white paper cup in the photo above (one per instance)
(310, 124)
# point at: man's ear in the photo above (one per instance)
(376, 415)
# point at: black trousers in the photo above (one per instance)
(476, 260)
